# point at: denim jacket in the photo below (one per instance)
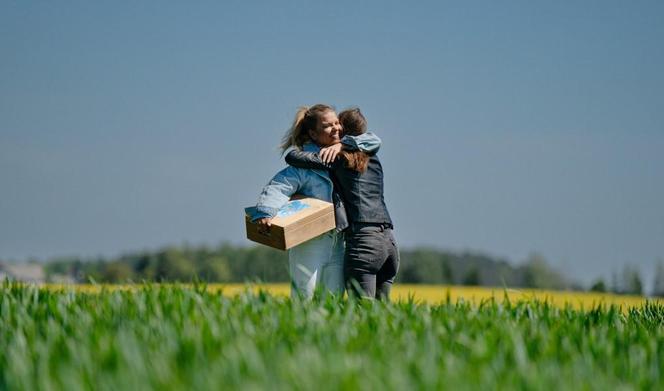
(314, 183)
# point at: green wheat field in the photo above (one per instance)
(175, 337)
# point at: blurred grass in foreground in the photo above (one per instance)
(169, 337)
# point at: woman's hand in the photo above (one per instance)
(264, 225)
(329, 154)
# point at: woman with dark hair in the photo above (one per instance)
(317, 263)
(371, 259)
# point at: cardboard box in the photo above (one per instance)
(298, 221)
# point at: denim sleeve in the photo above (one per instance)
(366, 142)
(277, 192)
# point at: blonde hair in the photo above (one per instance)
(306, 119)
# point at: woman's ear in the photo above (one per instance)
(312, 134)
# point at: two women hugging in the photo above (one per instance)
(335, 159)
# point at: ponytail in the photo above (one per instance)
(294, 135)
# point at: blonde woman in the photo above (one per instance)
(317, 263)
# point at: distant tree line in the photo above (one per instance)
(229, 263)
(226, 263)
(629, 282)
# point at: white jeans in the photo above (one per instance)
(317, 263)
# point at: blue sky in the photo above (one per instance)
(508, 128)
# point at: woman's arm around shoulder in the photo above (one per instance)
(302, 159)
(367, 142)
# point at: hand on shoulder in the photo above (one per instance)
(329, 154)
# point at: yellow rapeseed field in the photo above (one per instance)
(431, 294)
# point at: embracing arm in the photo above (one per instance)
(366, 142)
(302, 159)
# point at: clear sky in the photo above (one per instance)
(508, 127)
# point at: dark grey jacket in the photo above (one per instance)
(362, 193)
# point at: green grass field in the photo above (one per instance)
(178, 337)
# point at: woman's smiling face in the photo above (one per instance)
(328, 131)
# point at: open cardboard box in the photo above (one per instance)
(298, 221)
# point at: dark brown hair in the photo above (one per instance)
(354, 124)
(306, 119)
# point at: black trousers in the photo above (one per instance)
(371, 260)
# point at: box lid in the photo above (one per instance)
(300, 210)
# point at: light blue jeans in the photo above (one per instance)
(317, 264)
